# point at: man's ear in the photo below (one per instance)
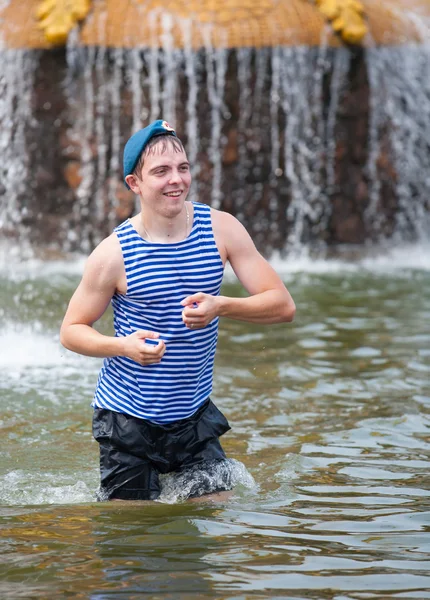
(132, 183)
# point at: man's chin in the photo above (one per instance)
(174, 206)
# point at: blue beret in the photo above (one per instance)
(137, 143)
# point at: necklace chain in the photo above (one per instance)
(187, 223)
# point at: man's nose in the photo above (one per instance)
(175, 177)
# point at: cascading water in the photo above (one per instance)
(265, 128)
(280, 126)
(400, 99)
(17, 68)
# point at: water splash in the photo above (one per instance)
(20, 487)
(34, 350)
(403, 258)
(399, 261)
(35, 488)
(227, 474)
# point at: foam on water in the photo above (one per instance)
(390, 259)
(17, 262)
(32, 488)
(375, 260)
(177, 487)
(24, 347)
(33, 365)
(21, 487)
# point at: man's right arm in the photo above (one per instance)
(99, 283)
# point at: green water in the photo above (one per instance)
(330, 416)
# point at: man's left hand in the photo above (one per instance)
(200, 309)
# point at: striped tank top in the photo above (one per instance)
(159, 277)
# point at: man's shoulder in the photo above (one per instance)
(124, 226)
(107, 254)
(110, 244)
(222, 218)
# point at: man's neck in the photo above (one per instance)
(163, 230)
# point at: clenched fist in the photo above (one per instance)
(200, 309)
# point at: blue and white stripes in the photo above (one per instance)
(159, 276)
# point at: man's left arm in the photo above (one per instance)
(269, 300)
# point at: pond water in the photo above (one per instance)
(330, 417)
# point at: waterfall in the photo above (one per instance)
(400, 130)
(280, 121)
(267, 131)
(17, 68)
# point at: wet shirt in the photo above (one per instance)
(159, 277)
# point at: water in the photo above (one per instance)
(16, 80)
(330, 418)
(400, 107)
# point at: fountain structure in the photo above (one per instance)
(310, 121)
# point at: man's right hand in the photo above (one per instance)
(134, 347)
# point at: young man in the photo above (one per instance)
(162, 271)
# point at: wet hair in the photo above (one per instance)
(150, 148)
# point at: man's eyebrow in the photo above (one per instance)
(158, 167)
(168, 166)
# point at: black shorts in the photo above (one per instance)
(134, 452)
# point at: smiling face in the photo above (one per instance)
(164, 179)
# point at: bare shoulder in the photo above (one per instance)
(105, 265)
(230, 234)
(221, 218)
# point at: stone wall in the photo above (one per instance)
(71, 201)
(306, 141)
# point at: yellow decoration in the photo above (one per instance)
(58, 17)
(329, 8)
(347, 18)
(196, 23)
